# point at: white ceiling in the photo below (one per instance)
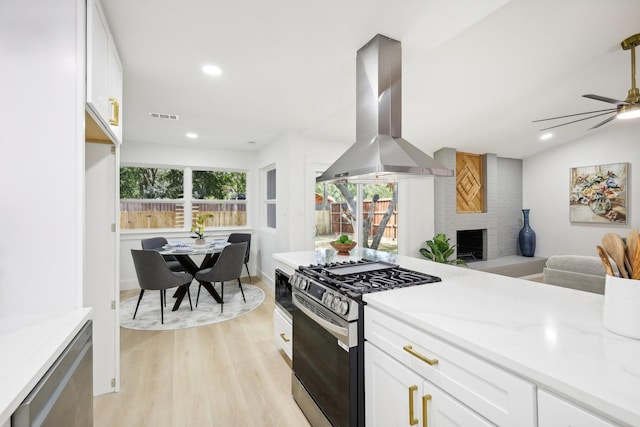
(475, 73)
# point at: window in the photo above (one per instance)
(151, 198)
(270, 200)
(221, 194)
(161, 198)
(338, 212)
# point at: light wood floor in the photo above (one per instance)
(226, 374)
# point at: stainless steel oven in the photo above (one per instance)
(327, 378)
(328, 333)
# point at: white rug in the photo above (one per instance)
(206, 313)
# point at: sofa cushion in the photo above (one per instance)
(585, 273)
(577, 263)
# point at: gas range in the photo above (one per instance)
(339, 286)
(328, 335)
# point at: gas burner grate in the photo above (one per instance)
(364, 276)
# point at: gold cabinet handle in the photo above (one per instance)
(115, 120)
(409, 349)
(284, 338)
(425, 401)
(412, 420)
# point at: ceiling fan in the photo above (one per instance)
(627, 109)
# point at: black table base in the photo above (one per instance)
(191, 267)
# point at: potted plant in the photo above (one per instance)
(439, 250)
(198, 228)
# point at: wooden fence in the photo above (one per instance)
(339, 224)
(145, 215)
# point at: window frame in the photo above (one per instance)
(188, 201)
(270, 203)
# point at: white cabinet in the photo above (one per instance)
(283, 332)
(556, 412)
(397, 396)
(104, 74)
(461, 380)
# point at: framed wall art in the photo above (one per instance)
(599, 194)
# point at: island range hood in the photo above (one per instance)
(379, 153)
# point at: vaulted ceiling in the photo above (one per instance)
(475, 73)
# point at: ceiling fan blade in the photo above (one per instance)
(604, 122)
(608, 110)
(579, 120)
(605, 99)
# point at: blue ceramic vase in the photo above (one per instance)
(527, 237)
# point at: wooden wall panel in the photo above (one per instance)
(469, 183)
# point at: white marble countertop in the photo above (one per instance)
(549, 335)
(30, 345)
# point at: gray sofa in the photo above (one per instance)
(584, 273)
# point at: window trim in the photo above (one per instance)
(188, 202)
(270, 202)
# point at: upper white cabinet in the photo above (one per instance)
(104, 78)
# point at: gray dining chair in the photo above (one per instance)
(154, 274)
(242, 237)
(227, 267)
(156, 243)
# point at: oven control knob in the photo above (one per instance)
(304, 284)
(344, 307)
(335, 304)
(327, 299)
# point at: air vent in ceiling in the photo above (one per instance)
(164, 116)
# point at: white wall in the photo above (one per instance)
(42, 166)
(170, 156)
(294, 157)
(415, 215)
(546, 188)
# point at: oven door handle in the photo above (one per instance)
(339, 330)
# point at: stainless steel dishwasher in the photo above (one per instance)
(64, 395)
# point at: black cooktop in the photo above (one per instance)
(364, 276)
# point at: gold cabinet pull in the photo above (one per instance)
(412, 421)
(115, 120)
(409, 349)
(284, 338)
(425, 400)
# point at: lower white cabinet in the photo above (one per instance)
(556, 412)
(283, 332)
(397, 396)
(489, 391)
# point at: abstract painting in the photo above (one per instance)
(599, 194)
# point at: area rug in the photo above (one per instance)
(206, 313)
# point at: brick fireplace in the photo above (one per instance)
(499, 223)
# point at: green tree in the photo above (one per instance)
(150, 183)
(218, 185)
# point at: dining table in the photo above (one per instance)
(183, 252)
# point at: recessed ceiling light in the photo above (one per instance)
(546, 136)
(212, 70)
(192, 135)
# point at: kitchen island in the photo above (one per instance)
(547, 336)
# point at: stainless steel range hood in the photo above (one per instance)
(379, 153)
